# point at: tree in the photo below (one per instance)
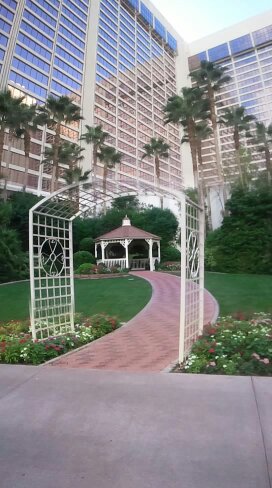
(55, 112)
(243, 244)
(13, 264)
(158, 149)
(211, 77)
(186, 109)
(76, 175)
(95, 136)
(28, 122)
(237, 118)
(129, 202)
(109, 157)
(263, 138)
(21, 203)
(9, 107)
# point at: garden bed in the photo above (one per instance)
(100, 276)
(233, 347)
(17, 347)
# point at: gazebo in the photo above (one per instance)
(128, 247)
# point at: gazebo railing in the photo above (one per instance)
(139, 263)
(119, 262)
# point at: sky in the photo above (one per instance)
(194, 19)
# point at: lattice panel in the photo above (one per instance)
(52, 273)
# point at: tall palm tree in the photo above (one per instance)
(158, 149)
(55, 112)
(202, 131)
(186, 109)
(28, 122)
(76, 175)
(237, 118)
(95, 136)
(9, 107)
(263, 138)
(109, 157)
(211, 77)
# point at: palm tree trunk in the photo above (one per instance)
(268, 164)
(27, 141)
(236, 138)
(95, 148)
(105, 174)
(2, 137)
(158, 173)
(216, 140)
(201, 198)
(55, 169)
(193, 147)
(5, 190)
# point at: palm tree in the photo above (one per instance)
(76, 175)
(159, 149)
(55, 112)
(237, 118)
(186, 109)
(211, 77)
(9, 107)
(28, 122)
(109, 157)
(263, 138)
(95, 136)
(202, 131)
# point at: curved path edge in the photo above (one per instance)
(149, 341)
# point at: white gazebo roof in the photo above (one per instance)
(127, 231)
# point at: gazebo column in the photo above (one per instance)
(159, 251)
(150, 243)
(126, 249)
(95, 250)
(103, 247)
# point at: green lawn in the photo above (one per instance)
(122, 297)
(240, 293)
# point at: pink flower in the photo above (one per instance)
(211, 350)
(265, 361)
(255, 356)
(212, 363)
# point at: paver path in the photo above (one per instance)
(148, 342)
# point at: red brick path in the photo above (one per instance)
(148, 342)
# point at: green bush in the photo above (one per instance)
(234, 347)
(86, 268)
(170, 253)
(83, 257)
(87, 244)
(243, 244)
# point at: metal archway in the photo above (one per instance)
(52, 303)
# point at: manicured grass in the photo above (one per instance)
(121, 297)
(240, 293)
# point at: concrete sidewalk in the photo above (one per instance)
(76, 428)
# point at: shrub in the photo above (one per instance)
(19, 348)
(83, 257)
(86, 268)
(170, 253)
(234, 347)
(170, 266)
(87, 244)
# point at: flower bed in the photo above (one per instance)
(169, 266)
(233, 347)
(17, 347)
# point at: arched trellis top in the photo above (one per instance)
(51, 256)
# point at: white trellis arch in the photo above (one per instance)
(52, 303)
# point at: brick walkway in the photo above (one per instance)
(148, 342)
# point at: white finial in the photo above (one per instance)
(126, 221)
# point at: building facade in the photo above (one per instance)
(119, 60)
(246, 50)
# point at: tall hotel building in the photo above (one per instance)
(246, 50)
(118, 59)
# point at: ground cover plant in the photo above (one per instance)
(17, 347)
(233, 347)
